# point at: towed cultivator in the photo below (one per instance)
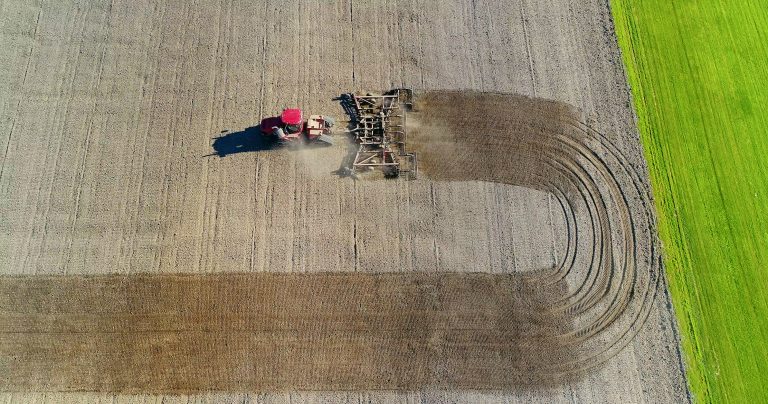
(378, 124)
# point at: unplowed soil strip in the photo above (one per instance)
(355, 331)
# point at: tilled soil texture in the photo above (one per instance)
(611, 262)
(276, 332)
(354, 331)
(129, 147)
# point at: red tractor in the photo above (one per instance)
(290, 128)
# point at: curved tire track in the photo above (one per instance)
(611, 262)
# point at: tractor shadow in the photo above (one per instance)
(247, 140)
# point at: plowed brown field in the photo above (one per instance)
(522, 263)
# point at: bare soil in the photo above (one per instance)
(277, 332)
(358, 331)
(112, 183)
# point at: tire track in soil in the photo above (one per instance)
(547, 145)
(373, 331)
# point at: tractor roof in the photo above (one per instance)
(291, 116)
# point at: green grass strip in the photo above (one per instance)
(699, 77)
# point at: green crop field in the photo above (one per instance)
(699, 77)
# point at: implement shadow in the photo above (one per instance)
(247, 140)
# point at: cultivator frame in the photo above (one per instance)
(378, 124)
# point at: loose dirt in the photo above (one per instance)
(337, 331)
(110, 167)
(611, 255)
(277, 332)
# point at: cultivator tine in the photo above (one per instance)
(380, 131)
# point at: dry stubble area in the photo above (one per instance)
(111, 112)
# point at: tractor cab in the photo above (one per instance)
(292, 120)
(290, 128)
(286, 128)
